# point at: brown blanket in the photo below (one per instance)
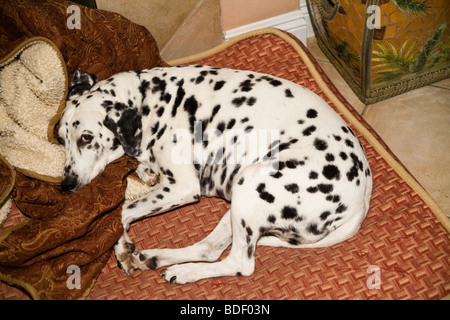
(105, 44)
(65, 231)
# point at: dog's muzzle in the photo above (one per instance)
(69, 183)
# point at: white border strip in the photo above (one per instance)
(293, 22)
(304, 10)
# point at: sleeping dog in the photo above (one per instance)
(293, 170)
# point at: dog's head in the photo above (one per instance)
(95, 129)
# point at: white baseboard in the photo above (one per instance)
(304, 10)
(293, 22)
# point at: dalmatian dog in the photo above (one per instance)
(293, 170)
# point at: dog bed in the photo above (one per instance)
(401, 252)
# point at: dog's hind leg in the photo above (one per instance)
(245, 225)
(240, 261)
(208, 249)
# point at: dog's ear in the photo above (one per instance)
(127, 129)
(81, 82)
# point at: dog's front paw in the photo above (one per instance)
(182, 273)
(143, 262)
(123, 254)
(147, 175)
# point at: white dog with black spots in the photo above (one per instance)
(293, 170)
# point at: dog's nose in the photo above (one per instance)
(69, 183)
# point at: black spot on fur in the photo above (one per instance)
(239, 101)
(292, 164)
(311, 113)
(145, 111)
(231, 178)
(293, 187)
(246, 86)
(221, 127)
(223, 175)
(349, 143)
(341, 208)
(272, 81)
(160, 111)
(219, 85)
(161, 132)
(214, 112)
(250, 251)
(357, 164)
(331, 172)
(251, 101)
(329, 157)
(325, 215)
(288, 212)
(313, 175)
(277, 175)
(107, 104)
(325, 188)
(312, 228)
(191, 106)
(231, 124)
(320, 144)
(333, 198)
(308, 131)
(288, 93)
(132, 205)
(159, 85)
(143, 88)
(263, 194)
(199, 79)
(166, 97)
(155, 128)
(271, 218)
(179, 97)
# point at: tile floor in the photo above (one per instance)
(415, 125)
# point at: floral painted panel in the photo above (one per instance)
(384, 47)
(414, 38)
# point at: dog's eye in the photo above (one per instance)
(86, 138)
